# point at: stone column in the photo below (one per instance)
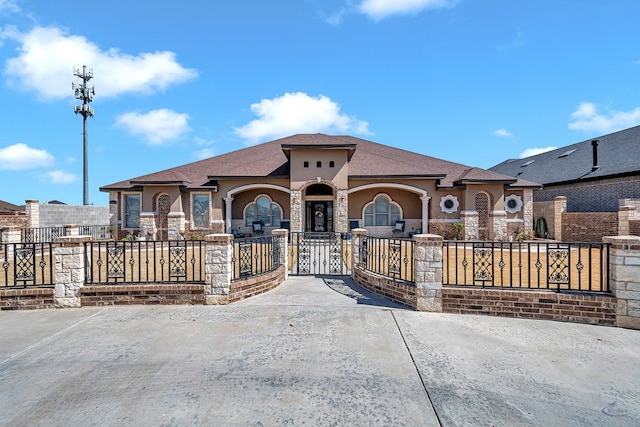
(11, 235)
(176, 225)
(341, 212)
(283, 247)
(624, 278)
(470, 221)
(427, 259)
(148, 228)
(32, 210)
(498, 221)
(625, 214)
(425, 214)
(296, 211)
(218, 268)
(358, 235)
(559, 207)
(527, 210)
(72, 230)
(228, 204)
(69, 270)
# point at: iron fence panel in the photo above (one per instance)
(391, 258)
(27, 264)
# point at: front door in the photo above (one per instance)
(319, 218)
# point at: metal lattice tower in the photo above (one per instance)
(85, 94)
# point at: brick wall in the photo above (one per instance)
(141, 294)
(588, 226)
(577, 308)
(256, 285)
(402, 292)
(26, 299)
(19, 221)
(634, 228)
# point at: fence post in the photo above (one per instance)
(624, 275)
(69, 270)
(218, 268)
(71, 230)
(428, 272)
(559, 207)
(358, 235)
(283, 248)
(11, 235)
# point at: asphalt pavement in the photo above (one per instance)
(315, 352)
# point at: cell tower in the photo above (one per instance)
(85, 94)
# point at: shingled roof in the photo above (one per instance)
(618, 154)
(369, 160)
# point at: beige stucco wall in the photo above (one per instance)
(337, 175)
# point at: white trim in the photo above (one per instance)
(518, 201)
(406, 187)
(372, 202)
(247, 187)
(454, 199)
(255, 201)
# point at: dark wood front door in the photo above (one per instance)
(319, 216)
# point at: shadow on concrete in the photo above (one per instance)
(346, 286)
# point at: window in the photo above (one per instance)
(319, 164)
(513, 203)
(200, 210)
(132, 211)
(332, 164)
(382, 211)
(449, 203)
(263, 209)
(306, 164)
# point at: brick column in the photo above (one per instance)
(427, 259)
(218, 268)
(559, 207)
(283, 246)
(32, 210)
(624, 279)
(69, 270)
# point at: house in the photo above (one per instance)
(322, 183)
(594, 175)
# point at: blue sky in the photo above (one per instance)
(475, 82)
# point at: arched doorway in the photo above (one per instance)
(319, 208)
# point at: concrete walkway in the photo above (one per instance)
(312, 352)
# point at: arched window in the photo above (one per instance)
(265, 210)
(381, 211)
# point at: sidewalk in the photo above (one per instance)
(312, 352)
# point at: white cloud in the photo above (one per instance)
(156, 126)
(380, 9)
(502, 132)
(298, 113)
(587, 118)
(9, 6)
(205, 153)
(61, 177)
(21, 156)
(47, 57)
(534, 151)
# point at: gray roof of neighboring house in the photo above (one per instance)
(618, 154)
(6, 207)
(270, 159)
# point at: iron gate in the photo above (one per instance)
(326, 254)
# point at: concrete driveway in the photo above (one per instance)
(312, 352)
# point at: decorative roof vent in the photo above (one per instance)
(594, 145)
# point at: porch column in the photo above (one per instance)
(498, 224)
(342, 211)
(176, 224)
(228, 203)
(527, 211)
(296, 211)
(470, 221)
(148, 229)
(425, 213)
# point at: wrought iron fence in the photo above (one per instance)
(134, 262)
(388, 257)
(42, 234)
(26, 265)
(533, 265)
(255, 255)
(97, 232)
(319, 253)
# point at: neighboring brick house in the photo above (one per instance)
(318, 182)
(594, 175)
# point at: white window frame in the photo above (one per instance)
(444, 200)
(193, 213)
(518, 201)
(246, 221)
(389, 213)
(124, 209)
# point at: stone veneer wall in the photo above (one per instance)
(546, 305)
(624, 275)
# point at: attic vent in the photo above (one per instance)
(566, 153)
(524, 165)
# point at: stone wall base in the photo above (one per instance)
(399, 291)
(546, 305)
(26, 299)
